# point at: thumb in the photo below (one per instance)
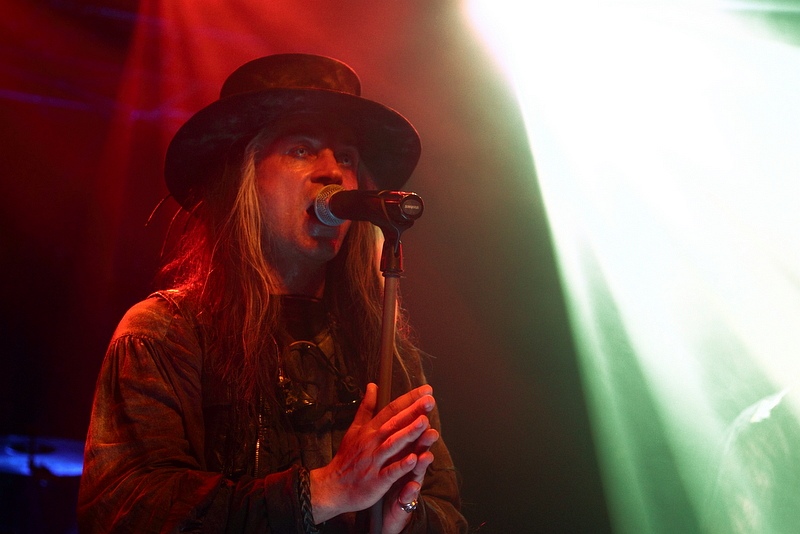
(366, 410)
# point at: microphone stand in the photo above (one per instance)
(391, 267)
(392, 212)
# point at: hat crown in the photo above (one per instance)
(292, 71)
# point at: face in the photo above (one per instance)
(302, 159)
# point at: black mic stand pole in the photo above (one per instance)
(391, 268)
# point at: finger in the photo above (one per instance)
(409, 492)
(421, 397)
(367, 407)
(411, 420)
(394, 471)
(426, 440)
(395, 519)
(401, 441)
(424, 460)
(421, 445)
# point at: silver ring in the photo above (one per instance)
(408, 508)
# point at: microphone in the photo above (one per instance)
(334, 205)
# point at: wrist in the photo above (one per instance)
(304, 495)
(322, 507)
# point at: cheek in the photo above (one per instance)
(274, 196)
(266, 201)
(364, 178)
(350, 180)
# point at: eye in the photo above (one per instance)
(347, 158)
(300, 151)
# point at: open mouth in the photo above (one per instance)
(313, 218)
(312, 213)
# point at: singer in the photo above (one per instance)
(240, 395)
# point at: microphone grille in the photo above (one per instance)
(322, 205)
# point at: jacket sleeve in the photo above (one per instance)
(439, 507)
(143, 464)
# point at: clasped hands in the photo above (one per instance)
(383, 455)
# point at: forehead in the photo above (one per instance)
(326, 128)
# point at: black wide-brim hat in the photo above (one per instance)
(269, 88)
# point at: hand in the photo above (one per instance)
(376, 453)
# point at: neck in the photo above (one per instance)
(296, 280)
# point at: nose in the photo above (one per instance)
(328, 171)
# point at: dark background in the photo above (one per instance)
(90, 94)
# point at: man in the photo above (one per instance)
(242, 398)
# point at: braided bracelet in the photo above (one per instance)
(304, 494)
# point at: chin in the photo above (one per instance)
(326, 250)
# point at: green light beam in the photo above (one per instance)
(665, 138)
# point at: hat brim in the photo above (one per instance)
(388, 144)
